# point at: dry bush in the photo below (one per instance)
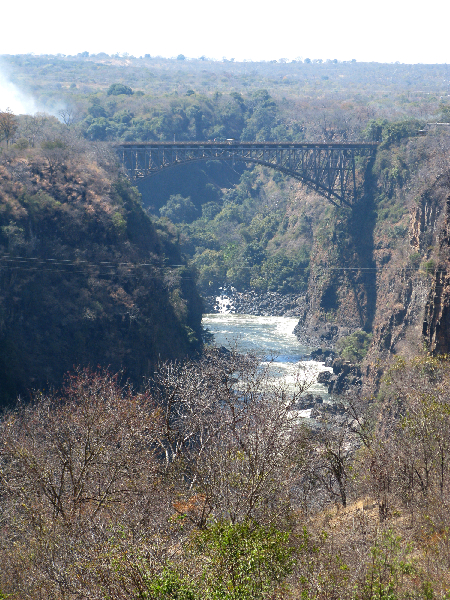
(101, 487)
(78, 471)
(231, 440)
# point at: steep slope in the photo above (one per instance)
(86, 278)
(410, 251)
(383, 266)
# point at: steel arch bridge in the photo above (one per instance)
(327, 168)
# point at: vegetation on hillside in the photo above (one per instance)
(207, 486)
(86, 277)
(240, 228)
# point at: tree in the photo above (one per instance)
(33, 127)
(406, 462)
(68, 115)
(77, 470)
(354, 347)
(179, 209)
(8, 125)
(116, 89)
(55, 153)
(231, 439)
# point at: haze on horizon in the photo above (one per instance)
(380, 32)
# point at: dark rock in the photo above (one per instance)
(251, 303)
(306, 402)
(329, 360)
(324, 377)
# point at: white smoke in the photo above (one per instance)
(16, 100)
(22, 102)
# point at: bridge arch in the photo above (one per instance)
(327, 168)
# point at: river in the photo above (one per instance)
(270, 339)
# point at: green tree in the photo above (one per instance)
(116, 89)
(354, 347)
(242, 561)
(387, 568)
(444, 116)
(179, 209)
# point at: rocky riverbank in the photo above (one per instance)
(268, 304)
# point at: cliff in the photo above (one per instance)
(86, 278)
(384, 265)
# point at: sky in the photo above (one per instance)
(380, 31)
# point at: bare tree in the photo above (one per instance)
(77, 470)
(33, 127)
(230, 437)
(68, 115)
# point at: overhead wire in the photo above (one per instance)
(110, 268)
(81, 267)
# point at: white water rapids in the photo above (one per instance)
(272, 340)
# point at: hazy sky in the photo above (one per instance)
(377, 30)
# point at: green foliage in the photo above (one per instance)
(238, 241)
(354, 347)
(444, 116)
(242, 561)
(22, 144)
(397, 131)
(429, 266)
(53, 145)
(414, 259)
(373, 131)
(388, 565)
(179, 209)
(210, 210)
(116, 89)
(169, 585)
(388, 132)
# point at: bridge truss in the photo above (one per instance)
(328, 168)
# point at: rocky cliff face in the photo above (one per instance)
(436, 324)
(85, 277)
(341, 287)
(384, 267)
(409, 290)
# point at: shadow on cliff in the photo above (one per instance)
(361, 227)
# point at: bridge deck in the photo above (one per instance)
(256, 145)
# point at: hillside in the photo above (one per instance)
(86, 277)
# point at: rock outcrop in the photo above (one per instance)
(266, 304)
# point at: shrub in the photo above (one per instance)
(354, 347)
(414, 259)
(429, 267)
(242, 561)
(116, 89)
